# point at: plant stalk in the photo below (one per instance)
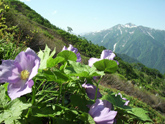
(97, 85)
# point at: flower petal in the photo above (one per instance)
(22, 60)
(98, 105)
(30, 83)
(106, 116)
(107, 54)
(71, 48)
(19, 89)
(91, 61)
(78, 57)
(8, 71)
(33, 61)
(102, 114)
(64, 48)
(29, 60)
(34, 70)
(107, 104)
(90, 90)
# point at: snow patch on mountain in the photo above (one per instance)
(114, 47)
(120, 30)
(124, 43)
(150, 35)
(105, 36)
(129, 25)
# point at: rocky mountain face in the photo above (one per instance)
(145, 44)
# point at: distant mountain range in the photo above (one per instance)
(145, 44)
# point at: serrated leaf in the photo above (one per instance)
(3, 98)
(109, 66)
(44, 56)
(77, 69)
(68, 55)
(13, 110)
(140, 113)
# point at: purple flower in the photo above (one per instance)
(75, 50)
(90, 90)
(102, 113)
(106, 54)
(19, 73)
(127, 101)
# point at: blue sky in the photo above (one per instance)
(93, 15)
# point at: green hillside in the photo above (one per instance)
(22, 27)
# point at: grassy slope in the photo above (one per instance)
(43, 36)
(52, 38)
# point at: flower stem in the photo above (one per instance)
(97, 85)
(34, 92)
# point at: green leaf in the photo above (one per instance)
(68, 55)
(61, 77)
(86, 118)
(77, 69)
(44, 56)
(44, 112)
(53, 62)
(115, 100)
(79, 101)
(3, 98)
(13, 110)
(118, 102)
(140, 113)
(109, 66)
(56, 75)
(48, 75)
(65, 115)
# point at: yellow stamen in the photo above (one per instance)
(24, 74)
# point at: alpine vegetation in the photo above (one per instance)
(53, 85)
(60, 93)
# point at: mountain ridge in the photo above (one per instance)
(123, 25)
(138, 42)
